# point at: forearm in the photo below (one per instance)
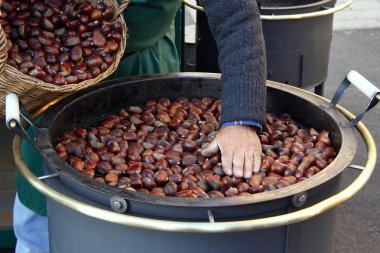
(237, 29)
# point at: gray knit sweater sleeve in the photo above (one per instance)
(237, 30)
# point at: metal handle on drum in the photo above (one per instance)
(362, 84)
(209, 227)
(324, 12)
(13, 110)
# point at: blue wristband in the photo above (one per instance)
(244, 123)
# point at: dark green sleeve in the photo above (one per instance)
(148, 21)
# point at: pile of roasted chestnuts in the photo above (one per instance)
(155, 149)
(60, 42)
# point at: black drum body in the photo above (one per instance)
(71, 231)
(298, 50)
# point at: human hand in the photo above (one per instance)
(241, 150)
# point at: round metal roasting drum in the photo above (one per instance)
(297, 34)
(89, 216)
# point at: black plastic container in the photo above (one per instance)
(71, 231)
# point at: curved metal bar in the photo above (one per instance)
(206, 227)
(291, 16)
(193, 6)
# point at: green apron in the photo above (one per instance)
(150, 49)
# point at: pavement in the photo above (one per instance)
(356, 45)
(358, 225)
(362, 14)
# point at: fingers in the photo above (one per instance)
(227, 161)
(257, 161)
(211, 149)
(238, 163)
(248, 164)
(240, 149)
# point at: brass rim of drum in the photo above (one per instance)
(291, 16)
(206, 227)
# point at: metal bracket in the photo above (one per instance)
(363, 85)
(16, 127)
(210, 215)
(356, 167)
(299, 199)
(48, 176)
(326, 7)
(118, 204)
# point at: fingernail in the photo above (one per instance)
(229, 173)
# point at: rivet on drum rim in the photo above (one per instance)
(118, 204)
(299, 199)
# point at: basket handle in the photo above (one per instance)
(122, 6)
(3, 49)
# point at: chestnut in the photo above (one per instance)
(161, 177)
(158, 192)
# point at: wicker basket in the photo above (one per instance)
(33, 92)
